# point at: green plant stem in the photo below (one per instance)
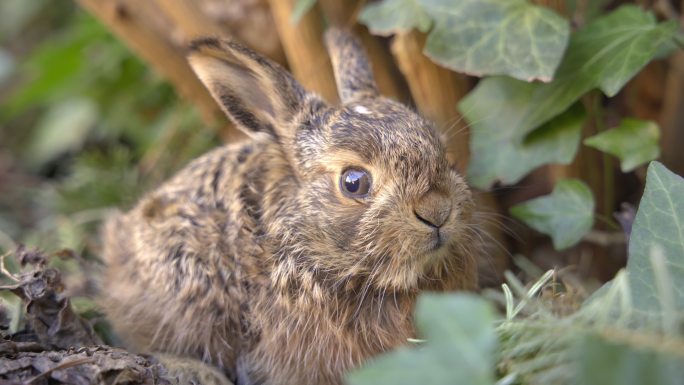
(679, 41)
(608, 221)
(606, 162)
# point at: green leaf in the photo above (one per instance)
(605, 54)
(634, 141)
(566, 214)
(63, 66)
(506, 156)
(460, 346)
(629, 38)
(301, 8)
(627, 362)
(659, 225)
(64, 127)
(388, 17)
(496, 37)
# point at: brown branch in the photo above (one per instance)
(667, 9)
(190, 20)
(304, 48)
(387, 75)
(605, 238)
(192, 23)
(672, 114)
(672, 117)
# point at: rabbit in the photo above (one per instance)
(298, 254)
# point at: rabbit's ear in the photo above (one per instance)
(257, 94)
(353, 72)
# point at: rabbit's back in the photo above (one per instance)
(177, 263)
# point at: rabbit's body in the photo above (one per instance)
(262, 259)
(176, 262)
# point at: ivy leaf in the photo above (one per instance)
(566, 214)
(659, 225)
(459, 349)
(65, 127)
(496, 37)
(639, 38)
(555, 142)
(634, 141)
(626, 361)
(605, 54)
(388, 17)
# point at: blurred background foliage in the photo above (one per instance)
(85, 126)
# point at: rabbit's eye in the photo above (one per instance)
(355, 183)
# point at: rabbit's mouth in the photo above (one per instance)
(436, 241)
(422, 269)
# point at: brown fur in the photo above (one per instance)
(252, 259)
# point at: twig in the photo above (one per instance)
(605, 238)
(189, 19)
(672, 113)
(3, 268)
(665, 8)
(304, 48)
(64, 365)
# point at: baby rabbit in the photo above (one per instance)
(295, 256)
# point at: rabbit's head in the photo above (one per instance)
(366, 195)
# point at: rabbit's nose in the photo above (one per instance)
(433, 209)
